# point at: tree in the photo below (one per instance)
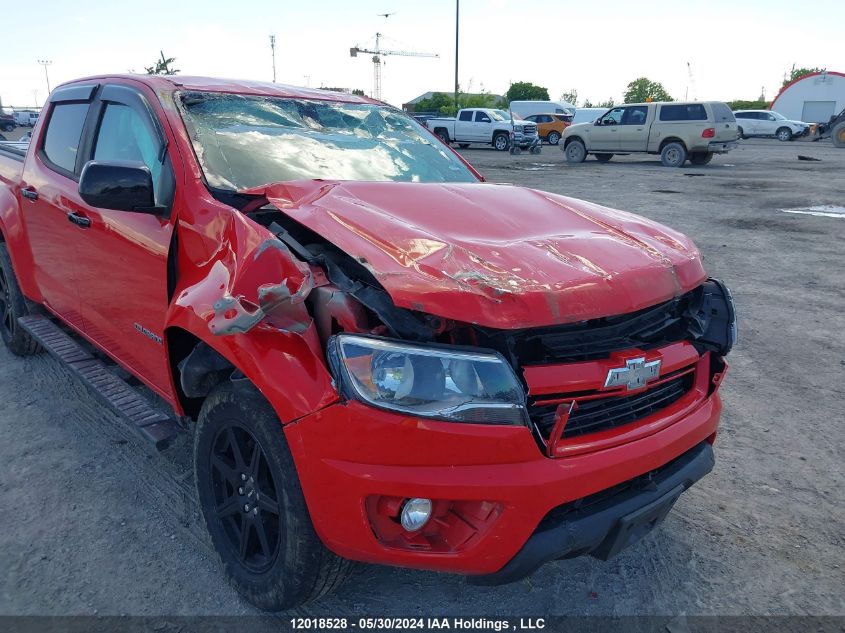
(162, 66)
(570, 97)
(358, 91)
(444, 103)
(644, 89)
(526, 91)
(741, 104)
(794, 73)
(601, 104)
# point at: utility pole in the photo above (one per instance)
(45, 63)
(273, 52)
(457, 22)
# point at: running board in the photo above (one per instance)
(154, 425)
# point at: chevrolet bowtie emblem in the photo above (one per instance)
(634, 375)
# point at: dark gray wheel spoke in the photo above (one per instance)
(266, 549)
(229, 473)
(244, 544)
(240, 462)
(268, 504)
(230, 506)
(255, 461)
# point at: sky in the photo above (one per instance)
(735, 49)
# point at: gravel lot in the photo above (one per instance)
(95, 522)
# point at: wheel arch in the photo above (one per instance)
(671, 139)
(569, 139)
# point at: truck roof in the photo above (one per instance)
(235, 86)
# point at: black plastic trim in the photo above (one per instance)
(600, 530)
(76, 92)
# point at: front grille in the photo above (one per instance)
(652, 327)
(529, 129)
(591, 416)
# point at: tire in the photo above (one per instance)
(700, 158)
(837, 135)
(442, 134)
(553, 138)
(739, 134)
(673, 154)
(783, 134)
(258, 494)
(8, 128)
(603, 158)
(12, 307)
(575, 151)
(463, 145)
(501, 142)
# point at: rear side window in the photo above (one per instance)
(466, 115)
(722, 113)
(64, 130)
(684, 112)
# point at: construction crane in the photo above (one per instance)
(377, 54)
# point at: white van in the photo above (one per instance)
(588, 115)
(527, 108)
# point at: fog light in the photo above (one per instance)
(415, 514)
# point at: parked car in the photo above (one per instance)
(7, 122)
(677, 131)
(527, 108)
(379, 357)
(487, 126)
(33, 119)
(766, 123)
(550, 127)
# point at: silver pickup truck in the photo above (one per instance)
(676, 131)
(488, 126)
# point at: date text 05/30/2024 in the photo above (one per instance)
(423, 624)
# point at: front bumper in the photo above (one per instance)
(608, 526)
(347, 454)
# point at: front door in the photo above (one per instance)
(604, 136)
(633, 132)
(49, 193)
(482, 127)
(123, 263)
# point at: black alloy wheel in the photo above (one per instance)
(246, 498)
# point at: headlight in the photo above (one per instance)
(517, 128)
(428, 381)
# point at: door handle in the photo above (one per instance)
(29, 193)
(79, 220)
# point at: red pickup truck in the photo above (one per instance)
(380, 356)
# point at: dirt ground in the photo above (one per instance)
(93, 521)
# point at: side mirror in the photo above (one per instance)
(597, 122)
(118, 185)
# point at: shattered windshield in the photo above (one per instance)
(245, 141)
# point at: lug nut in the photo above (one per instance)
(246, 507)
(255, 511)
(243, 477)
(240, 491)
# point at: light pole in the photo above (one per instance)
(45, 63)
(273, 51)
(457, 15)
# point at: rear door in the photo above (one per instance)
(49, 187)
(463, 126)
(122, 264)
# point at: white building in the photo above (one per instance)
(813, 98)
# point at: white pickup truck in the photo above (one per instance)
(487, 126)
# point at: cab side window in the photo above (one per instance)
(481, 117)
(125, 136)
(61, 141)
(466, 115)
(614, 117)
(635, 115)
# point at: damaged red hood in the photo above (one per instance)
(495, 255)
